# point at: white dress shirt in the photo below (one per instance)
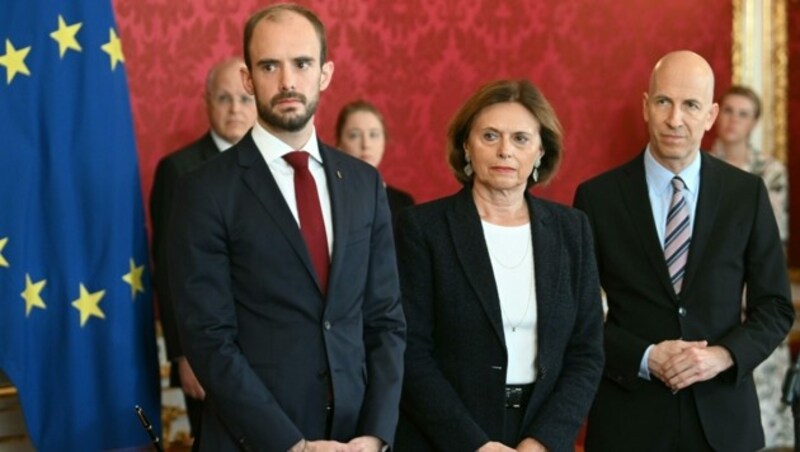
(273, 150)
(222, 143)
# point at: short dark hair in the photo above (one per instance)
(354, 107)
(740, 90)
(273, 13)
(522, 92)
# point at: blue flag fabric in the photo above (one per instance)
(76, 318)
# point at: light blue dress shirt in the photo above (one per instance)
(659, 190)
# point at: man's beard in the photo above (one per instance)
(289, 122)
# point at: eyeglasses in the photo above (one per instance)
(227, 100)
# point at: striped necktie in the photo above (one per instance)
(677, 235)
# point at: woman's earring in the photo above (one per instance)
(535, 175)
(468, 167)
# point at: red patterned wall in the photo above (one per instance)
(419, 59)
(793, 27)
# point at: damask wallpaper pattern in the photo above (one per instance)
(419, 59)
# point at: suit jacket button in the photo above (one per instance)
(682, 311)
(327, 325)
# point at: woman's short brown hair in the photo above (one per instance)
(354, 107)
(739, 90)
(274, 13)
(522, 92)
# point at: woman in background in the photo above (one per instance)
(361, 132)
(500, 291)
(740, 109)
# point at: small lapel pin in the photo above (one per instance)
(339, 174)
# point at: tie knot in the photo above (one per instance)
(678, 184)
(297, 159)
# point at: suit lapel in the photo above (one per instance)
(708, 201)
(336, 178)
(259, 180)
(547, 245)
(209, 148)
(470, 245)
(637, 201)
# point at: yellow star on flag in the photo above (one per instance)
(14, 61)
(87, 303)
(134, 278)
(32, 294)
(113, 48)
(65, 36)
(3, 261)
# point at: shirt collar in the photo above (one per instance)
(272, 148)
(659, 179)
(221, 143)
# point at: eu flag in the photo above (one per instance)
(76, 318)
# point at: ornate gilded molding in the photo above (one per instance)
(740, 37)
(759, 58)
(780, 67)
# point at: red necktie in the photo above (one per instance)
(308, 209)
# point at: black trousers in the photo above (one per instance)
(690, 437)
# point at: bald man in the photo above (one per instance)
(678, 236)
(231, 113)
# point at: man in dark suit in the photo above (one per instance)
(231, 113)
(285, 282)
(678, 236)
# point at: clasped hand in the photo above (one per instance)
(680, 363)
(527, 445)
(359, 444)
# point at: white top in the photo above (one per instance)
(511, 253)
(273, 150)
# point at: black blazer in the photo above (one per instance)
(168, 171)
(735, 243)
(453, 394)
(398, 200)
(266, 344)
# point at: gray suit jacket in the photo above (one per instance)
(168, 171)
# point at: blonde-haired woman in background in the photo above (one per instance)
(740, 109)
